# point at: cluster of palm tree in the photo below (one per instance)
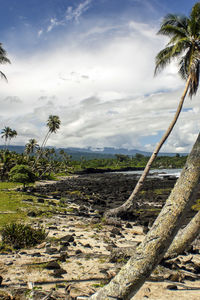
(38, 158)
(184, 45)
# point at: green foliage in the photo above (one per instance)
(22, 174)
(22, 236)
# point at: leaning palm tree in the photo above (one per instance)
(157, 241)
(3, 60)
(53, 123)
(184, 47)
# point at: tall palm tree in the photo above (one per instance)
(6, 133)
(184, 46)
(13, 134)
(53, 123)
(3, 60)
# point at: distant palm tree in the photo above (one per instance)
(184, 44)
(3, 60)
(12, 135)
(31, 146)
(53, 123)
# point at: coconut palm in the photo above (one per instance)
(184, 47)
(3, 60)
(7, 133)
(53, 123)
(158, 239)
(31, 146)
(13, 134)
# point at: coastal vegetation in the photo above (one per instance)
(39, 162)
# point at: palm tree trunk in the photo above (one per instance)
(185, 237)
(150, 252)
(42, 147)
(129, 203)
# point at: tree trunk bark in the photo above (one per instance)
(150, 252)
(185, 237)
(129, 203)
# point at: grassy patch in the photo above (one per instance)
(20, 236)
(11, 206)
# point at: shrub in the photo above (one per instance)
(22, 236)
(22, 174)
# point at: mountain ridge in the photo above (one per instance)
(91, 153)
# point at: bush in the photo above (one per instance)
(22, 236)
(22, 174)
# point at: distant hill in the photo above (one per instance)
(91, 153)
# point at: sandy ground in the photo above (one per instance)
(87, 261)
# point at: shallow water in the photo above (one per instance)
(156, 172)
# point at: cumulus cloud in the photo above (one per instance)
(103, 89)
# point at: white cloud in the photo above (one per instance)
(75, 14)
(103, 89)
(72, 14)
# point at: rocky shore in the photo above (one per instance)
(83, 251)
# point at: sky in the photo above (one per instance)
(91, 62)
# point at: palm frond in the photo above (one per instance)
(175, 20)
(163, 58)
(3, 76)
(171, 30)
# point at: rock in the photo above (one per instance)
(52, 250)
(59, 272)
(40, 200)
(63, 243)
(87, 246)
(36, 254)
(67, 238)
(63, 249)
(63, 257)
(116, 231)
(172, 287)
(31, 214)
(78, 251)
(1, 279)
(53, 265)
(53, 228)
(128, 225)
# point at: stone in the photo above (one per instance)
(31, 214)
(59, 272)
(87, 246)
(40, 200)
(67, 238)
(128, 225)
(52, 250)
(172, 287)
(53, 265)
(116, 231)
